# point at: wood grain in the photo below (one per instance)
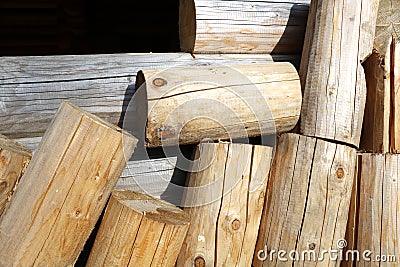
(32, 88)
(338, 37)
(382, 116)
(224, 102)
(242, 26)
(138, 230)
(64, 190)
(379, 202)
(375, 136)
(14, 158)
(230, 184)
(308, 200)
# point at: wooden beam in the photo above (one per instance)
(225, 207)
(189, 104)
(14, 158)
(64, 190)
(242, 26)
(31, 88)
(338, 37)
(138, 230)
(308, 200)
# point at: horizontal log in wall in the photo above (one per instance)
(219, 26)
(32, 88)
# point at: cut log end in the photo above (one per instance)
(138, 230)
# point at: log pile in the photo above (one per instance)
(244, 201)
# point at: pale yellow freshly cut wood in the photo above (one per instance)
(14, 159)
(308, 200)
(226, 204)
(338, 37)
(64, 190)
(188, 104)
(379, 207)
(31, 88)
(240, 26)
(138, 230)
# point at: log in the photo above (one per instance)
(378, 210)
(307, 203)
(226, 204)
(242, 26)
(14, 158)
(64, 190)
(338, 38)
(138, 230)
(31, 88)
(187, 105)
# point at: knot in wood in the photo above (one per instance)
(235, 224)
(199, 262)
(159, 82)
(340, 173)
(312, 246)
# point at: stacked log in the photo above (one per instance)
(187, 105)
(225, 207)
(64, 190)
(14, 159)
(309, 196)
(138, 230)
(375, 199)
(242, 26)
(338, 38)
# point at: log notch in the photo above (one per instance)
(226, 204)
(338, 37)
(64, 190)
(379, 203)
(382, 115)
(186, 105)
(31, 88)
(242, 26)
(308, 199)
(14, 159)
(138, 230)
